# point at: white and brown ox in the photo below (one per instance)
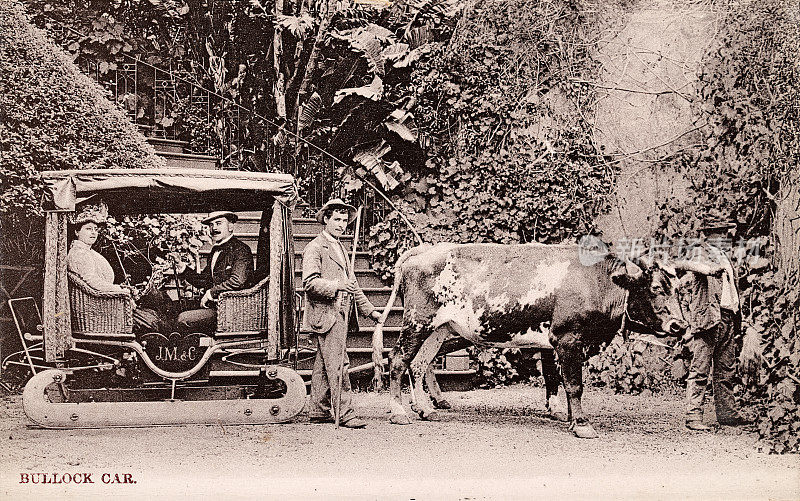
(500, 295)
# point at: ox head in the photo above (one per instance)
(653, 301)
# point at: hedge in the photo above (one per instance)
(52, 117)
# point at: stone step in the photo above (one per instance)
(366, 278)
(168, 145)
(302, 239)
(395, 318)
(378, 296)
(189, 160)
(306, 225)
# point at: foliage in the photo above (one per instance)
(747, 94)
(504, 366)
(155, 30)
(152, 236)
(630, 367)
(779, 392)
(142, 243)
(51, 118)
(325, 75)
(509, 156)
(750, 85)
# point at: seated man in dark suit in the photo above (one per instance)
(230, 267)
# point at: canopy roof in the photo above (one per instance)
(169, 190)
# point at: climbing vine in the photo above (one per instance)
(502, 114)
(748, 92)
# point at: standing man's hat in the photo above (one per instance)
(230, 216)
(337, 203)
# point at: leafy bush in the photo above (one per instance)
(510, 156)
(52, 117)
(631, 367)
(503, 366)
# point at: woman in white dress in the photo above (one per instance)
(94, 269)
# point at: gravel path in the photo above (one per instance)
(493, 444)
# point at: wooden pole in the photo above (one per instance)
(274, 286)
(347, 305)
(55, 308)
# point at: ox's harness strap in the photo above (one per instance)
(625, 317)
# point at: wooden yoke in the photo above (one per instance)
(276, 250)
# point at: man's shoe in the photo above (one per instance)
(354, 423)
(735, 421)
(320, 419)
(697, 426)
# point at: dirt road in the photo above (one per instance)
(493, 444)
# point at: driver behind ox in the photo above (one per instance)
(230, 268)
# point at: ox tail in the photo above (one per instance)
(377, 334)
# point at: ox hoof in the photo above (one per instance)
(429, 416)
(402, 419)
(584, 430)
(441, 404)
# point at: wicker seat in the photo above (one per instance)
(243, 312)
(98, 313)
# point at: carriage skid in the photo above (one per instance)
(98, 373)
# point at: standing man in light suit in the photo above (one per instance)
(326, 279)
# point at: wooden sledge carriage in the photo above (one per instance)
(98, 373)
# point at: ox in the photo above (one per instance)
(501, 296)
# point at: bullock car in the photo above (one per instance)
(91, 370)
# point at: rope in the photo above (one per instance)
(623, 326)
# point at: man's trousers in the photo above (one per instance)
(201, 320)
(713, 347)
(326, 376)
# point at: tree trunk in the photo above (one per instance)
(786, 225)
(279, 90)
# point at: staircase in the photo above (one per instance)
(452, 371)
(175, 154)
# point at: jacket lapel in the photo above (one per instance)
(328, 245)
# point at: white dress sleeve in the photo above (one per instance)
(93, 269)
